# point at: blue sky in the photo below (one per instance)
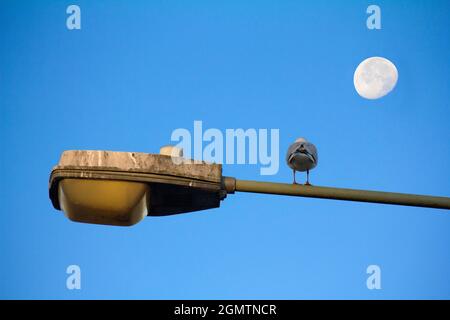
(138, 70)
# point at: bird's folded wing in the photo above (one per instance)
(291, 151)
(291, 157)
(310, 156)
(312, 151)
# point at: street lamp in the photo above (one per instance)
(121, 188)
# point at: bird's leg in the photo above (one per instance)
(293, 171)
(307, 178)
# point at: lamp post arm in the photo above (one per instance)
(232, 185)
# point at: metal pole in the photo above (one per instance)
(414, 200)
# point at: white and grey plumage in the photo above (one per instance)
(302, 156)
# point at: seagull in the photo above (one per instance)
(302, 156)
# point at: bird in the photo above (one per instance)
(302, 156)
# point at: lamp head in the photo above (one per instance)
(121, 188)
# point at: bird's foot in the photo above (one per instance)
(308, 184)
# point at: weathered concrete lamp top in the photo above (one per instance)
(121, 188)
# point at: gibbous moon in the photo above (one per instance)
(375, 77)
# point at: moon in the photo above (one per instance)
(375, 77)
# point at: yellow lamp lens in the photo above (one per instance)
(111, 202)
